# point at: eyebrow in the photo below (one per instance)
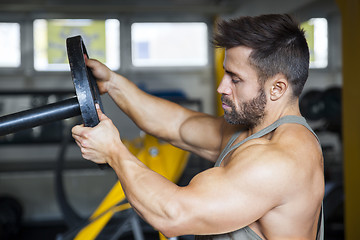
(231, 73)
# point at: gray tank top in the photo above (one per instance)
(247, 233)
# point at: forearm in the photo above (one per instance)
(193, 131)
(149, 193)
(154, 115)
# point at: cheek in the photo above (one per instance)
(244, 93)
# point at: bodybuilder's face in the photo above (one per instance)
(248, 113)
(243, 98)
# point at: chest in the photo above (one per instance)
(238, 142)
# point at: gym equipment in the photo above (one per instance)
(323, 105)
(332, 99)
(312, 105)
(11, 213)
(87, 95)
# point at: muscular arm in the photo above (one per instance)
(257, 178)
(218, 200)
(169, 121)
(193, 131)
(211, 203)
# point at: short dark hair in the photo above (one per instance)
(278, 46)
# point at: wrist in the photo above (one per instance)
(116, 83)
(111, 83)
(117, 154)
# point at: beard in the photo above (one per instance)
(250, 113)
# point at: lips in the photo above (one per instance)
(226, 104)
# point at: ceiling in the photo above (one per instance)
(210, 7)
(206, 6)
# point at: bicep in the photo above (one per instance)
(220, 200)
(200, 134)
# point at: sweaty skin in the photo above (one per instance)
(274, 184)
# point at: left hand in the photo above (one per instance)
(100, 143)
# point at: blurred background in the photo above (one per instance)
(47, 190)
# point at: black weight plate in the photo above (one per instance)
(87, 91)
(333, 108)
(312, 106)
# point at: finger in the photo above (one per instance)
(84, 153)
(101, 115)
(78, 143)
(76, 137)
(91, 63)
(76, 131)
(78, 140)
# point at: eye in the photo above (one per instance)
(235, 80)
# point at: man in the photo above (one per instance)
(264, 186)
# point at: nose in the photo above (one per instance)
(224, 86)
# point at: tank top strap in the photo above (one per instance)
(262, 132)
(320, 232)
(230, 142)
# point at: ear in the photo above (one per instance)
(279, 85)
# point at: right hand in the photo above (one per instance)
(102, 74)
(101, 143)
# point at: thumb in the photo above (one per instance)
(101, 115)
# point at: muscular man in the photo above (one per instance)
(269, 186)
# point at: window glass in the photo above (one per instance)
(10, 54)
(101, 38)
(317, 38)
(169, 44)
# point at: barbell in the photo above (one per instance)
(86, 90)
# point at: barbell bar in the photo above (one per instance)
(87, 95)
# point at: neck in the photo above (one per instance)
(275, 114)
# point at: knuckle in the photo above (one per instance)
(84, 143)
(108, 121)
(87, 134)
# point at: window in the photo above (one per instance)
(169, 44)
(101, 38)
(317, 39)
(10, 54)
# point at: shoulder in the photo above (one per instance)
(287, 145)
(288, 142)
(297, 141)
(260, 163)
(261, 157)
(290, 156)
